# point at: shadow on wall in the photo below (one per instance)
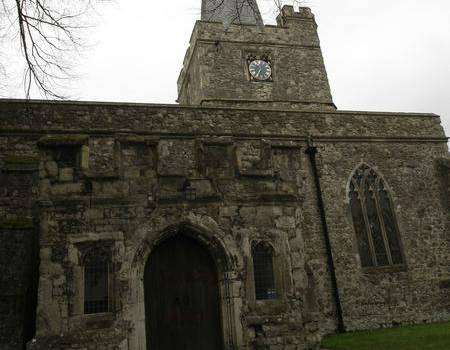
(19, 276)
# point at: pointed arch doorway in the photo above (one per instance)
(181, 288)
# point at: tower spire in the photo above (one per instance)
(231, 12)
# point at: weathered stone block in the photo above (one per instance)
(177, 158)
(51, 168)
(66, 174)
(254, 158)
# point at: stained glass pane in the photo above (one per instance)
(360, 229)
(378, 242)
(390, 226)
(96, 285)
(263, 272)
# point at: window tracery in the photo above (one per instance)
(374, 219)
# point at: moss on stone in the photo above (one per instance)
(16, 159)
(62, 140)
(17, 224)
(137, 139)
(444, 164)
(134, 139)
(17, 163)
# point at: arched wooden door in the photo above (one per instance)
(181, 297)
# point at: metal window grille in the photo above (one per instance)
(263, 272)
(374, 219)
(96, 278)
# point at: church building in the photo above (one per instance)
(252, 215)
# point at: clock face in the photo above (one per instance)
(260, 70)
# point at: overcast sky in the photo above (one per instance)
(385, 55)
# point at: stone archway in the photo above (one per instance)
(207, 234)
(182, 309)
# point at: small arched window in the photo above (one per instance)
(96, 281)
(374, 219)
(263, 274)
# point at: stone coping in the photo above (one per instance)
(177, 106)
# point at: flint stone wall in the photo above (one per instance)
(252, 181)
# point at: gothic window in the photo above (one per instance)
(263, 273)
(374, 219)
(96, 282)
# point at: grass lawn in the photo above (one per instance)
(422, 337)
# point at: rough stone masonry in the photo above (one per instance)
(235, 166)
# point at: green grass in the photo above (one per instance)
(421, 337)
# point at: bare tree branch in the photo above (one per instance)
(50, 33)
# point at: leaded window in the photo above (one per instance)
(96, 282)
(263, 273)
(374, 219)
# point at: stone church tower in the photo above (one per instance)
(216, 68)
(252, 215)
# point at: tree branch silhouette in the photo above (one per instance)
(50, 36)
(51, 32)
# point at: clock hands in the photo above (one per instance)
(260, 69)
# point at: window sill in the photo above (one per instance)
(269, 306)
(267, 301)
(99, 321)
(101, 315)
(384, 269)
